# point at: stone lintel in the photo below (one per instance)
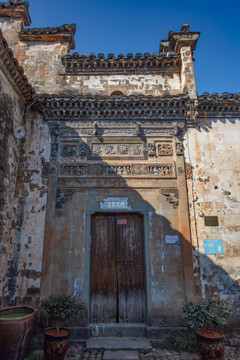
(16, 10)
(64, 33)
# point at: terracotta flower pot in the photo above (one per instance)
(210, 344)
(17, 325)
(55, 346)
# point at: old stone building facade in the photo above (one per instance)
(119, 184)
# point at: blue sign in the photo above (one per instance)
(213, 246)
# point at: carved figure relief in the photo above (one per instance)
(151, 150)
(136, 150)
(165, 149)
(74, 170)
(63, 196)
(179, 149)
(110, 170)
(83, 149)
(124, 170)
(171, 196)
(163, 170)
(54, 150)
(69, 150)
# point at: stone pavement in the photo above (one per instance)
(78, 352)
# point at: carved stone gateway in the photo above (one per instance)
(112, 154)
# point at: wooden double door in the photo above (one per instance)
(118, 285)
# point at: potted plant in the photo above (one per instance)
(59, 309)
(17, 325)
(206, 317)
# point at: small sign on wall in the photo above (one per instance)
(172, 239)
(212, 246)
(122, 221)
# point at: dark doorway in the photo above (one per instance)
(117, 291)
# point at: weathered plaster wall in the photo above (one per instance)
(155, 85)
(11, 116)
(213, 150)
(10, 29)
(30, 208)
(43, 67)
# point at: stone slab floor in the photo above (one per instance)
(78, 352)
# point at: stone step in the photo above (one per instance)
(118, 343)
(121, 330)
(120, 355)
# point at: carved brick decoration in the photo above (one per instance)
(165, 149)
(164, 170)
(134, 107)
(171, 196)
(95, 169)
(69, 150)
(73, 170)
(188, 171)
(63, 196)
(110, 170)
(54, 150)
(179, 149)
(151, 149)
(108, 150)
(83, 150)
(123, 149)
(140, 169)
(140, 64)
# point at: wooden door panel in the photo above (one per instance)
(131, 275)
(117, 269)
(103, 293)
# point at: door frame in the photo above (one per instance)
(136, 207)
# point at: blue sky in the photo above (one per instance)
(139, 25)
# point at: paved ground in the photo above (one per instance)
(79, 352)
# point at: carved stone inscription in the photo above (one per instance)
(103, 150)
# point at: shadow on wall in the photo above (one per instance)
(77, 177)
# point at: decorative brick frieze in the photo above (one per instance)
(14, 72)
(132, 170)
(122, 64)
(219, 105)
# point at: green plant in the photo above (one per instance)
(187, 344)
(60, 308)
(207, 313)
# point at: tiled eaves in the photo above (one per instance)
(224, 105)
(64, 33)
(16, 9)
(163, 63)
(78, 107)
(14, 72)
